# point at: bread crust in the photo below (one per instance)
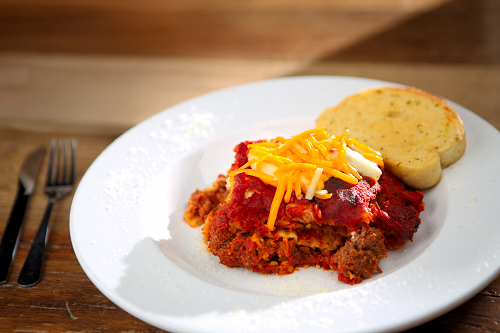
(418, 133)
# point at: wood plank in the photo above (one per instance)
(106, 94)
(279, 29)
(426, 31)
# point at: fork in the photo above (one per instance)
(59, 183)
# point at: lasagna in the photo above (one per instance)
(312, 200)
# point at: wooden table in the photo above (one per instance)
(93, 69)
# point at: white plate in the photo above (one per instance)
(129, 236)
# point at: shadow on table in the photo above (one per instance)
(462, 31)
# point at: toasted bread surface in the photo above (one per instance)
(418, 133)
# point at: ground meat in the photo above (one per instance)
(360, 255)
(265, 255)
(203, 202)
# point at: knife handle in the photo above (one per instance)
(32, 268)
(11, 234)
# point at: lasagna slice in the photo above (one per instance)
(267, 220)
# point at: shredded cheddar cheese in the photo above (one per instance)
(302, 165)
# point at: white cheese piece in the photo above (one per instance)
(362, 165)
(251, 157)
(314, 182)
(299, 148)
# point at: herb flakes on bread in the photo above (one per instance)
(418, 133)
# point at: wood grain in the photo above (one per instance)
(278, 29)
(108, 94)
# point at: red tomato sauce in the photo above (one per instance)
(349, 233)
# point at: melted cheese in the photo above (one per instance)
(284, 233)
(303, 163)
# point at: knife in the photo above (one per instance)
(26, 185)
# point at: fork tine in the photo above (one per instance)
(60, 154)
(51, 163)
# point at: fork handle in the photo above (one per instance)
(32, 268)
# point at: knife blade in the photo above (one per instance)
(26, 185)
